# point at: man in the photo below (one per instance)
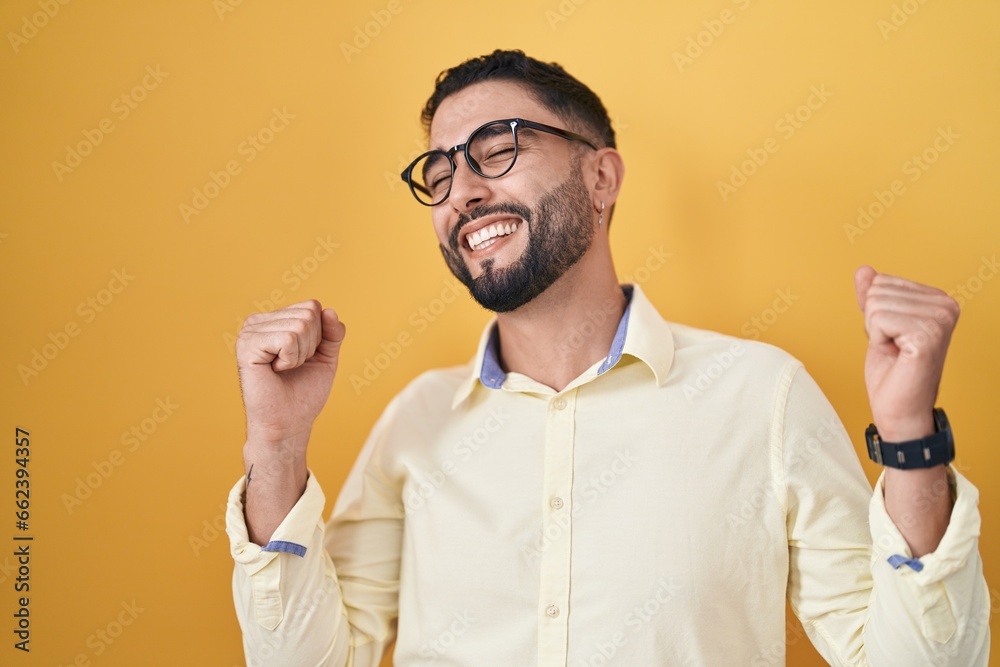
(598, 486)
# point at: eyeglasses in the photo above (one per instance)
(491, 151)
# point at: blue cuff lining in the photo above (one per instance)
(287, 547)
(898, 561)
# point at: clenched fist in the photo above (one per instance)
(287, 360)
(909, 329)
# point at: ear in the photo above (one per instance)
(604, 174)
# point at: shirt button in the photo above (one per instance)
(557, 503)
(552, 611)
(559, 404)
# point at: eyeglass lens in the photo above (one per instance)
(492, 150)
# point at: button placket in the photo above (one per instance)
(556, 526)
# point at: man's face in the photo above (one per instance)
(544, 196)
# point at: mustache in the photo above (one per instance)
(510, 208)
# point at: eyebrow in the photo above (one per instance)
(494, 130)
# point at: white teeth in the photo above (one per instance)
(484, 238)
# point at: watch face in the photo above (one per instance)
(873, 441)
(942, 425)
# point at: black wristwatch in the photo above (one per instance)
(934, 450)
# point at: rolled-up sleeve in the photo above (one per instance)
(321, 593)
(937, 607)
(861, 597)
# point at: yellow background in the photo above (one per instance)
(148, 533)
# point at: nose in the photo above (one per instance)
(468, 189)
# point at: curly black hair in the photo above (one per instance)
(549, 83)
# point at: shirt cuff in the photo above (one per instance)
(291, 536)
(958, 544)
(927, 578)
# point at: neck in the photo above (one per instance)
(566, 329)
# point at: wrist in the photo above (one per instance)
(904, 428)
(896, 432)
(284, 459)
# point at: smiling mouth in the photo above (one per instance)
(487, 236)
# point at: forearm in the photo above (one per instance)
(276, 479)
(919, 501)
(289, 604)
(936, 612)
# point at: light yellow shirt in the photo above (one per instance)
(657, 511)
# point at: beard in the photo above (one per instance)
(559, 234)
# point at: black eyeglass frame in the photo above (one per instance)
(407, 174)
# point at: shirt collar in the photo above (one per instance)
(642, 333)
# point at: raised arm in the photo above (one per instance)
(287, 360)
(306, 593)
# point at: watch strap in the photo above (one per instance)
(936, 449)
